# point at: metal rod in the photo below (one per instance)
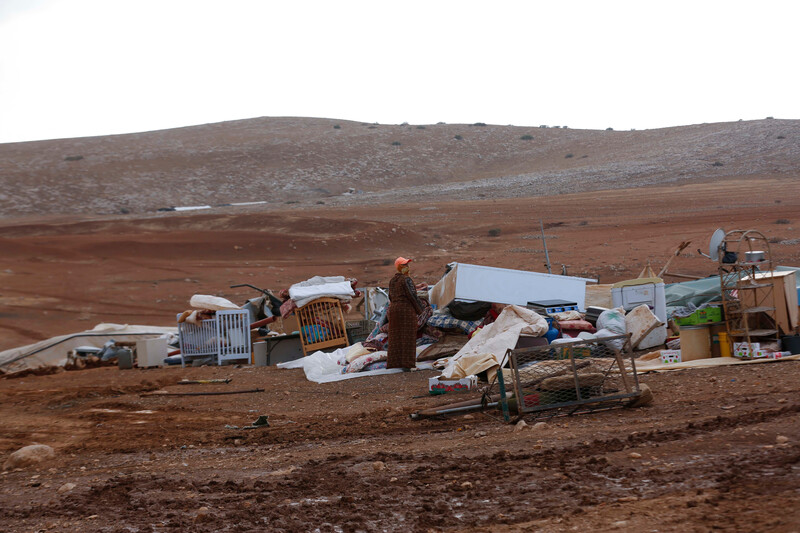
(683, 276)
(201, 393)
(544, 242)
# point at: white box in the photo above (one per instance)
(506, 286)
(151, 352)
(752, 350)
(438, 385)
(670, 356)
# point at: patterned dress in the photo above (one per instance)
(403, 310)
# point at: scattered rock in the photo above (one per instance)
(782, 439)
(466, 485)
(634, 455)
(628, 499)
(66, 487)
(355, 395)
(521, 425)
(539, 425)
(479, 434)
(203, 515)
(379, 465)
(28, 456)
(782, 400)
(392, 480)
(468, 417)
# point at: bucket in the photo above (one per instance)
(791, 343)
(716, 329)
(724, 344)
(695, 342)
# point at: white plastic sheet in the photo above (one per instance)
(322, 367)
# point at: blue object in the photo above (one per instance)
(314, 333)
(552, 332)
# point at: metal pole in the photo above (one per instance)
(544, 241)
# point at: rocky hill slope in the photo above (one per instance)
(306, 161)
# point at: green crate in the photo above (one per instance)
(701, 316)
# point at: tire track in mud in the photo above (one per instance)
(422, 491)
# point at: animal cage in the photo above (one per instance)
(225, 337)
(566, 378)
(322, 325)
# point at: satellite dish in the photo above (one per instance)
(713, 244)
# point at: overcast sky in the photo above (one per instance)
(73, 68)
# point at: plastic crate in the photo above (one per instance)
(701, 316)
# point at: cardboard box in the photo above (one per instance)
(782, 296)
(151, 352)
(440, 386)
(670, 356)
(751, 350)
(506, 286)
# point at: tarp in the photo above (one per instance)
(696, 292)
(53, 351)
(324, 367)
(496, 338)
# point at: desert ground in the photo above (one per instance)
(719, 449)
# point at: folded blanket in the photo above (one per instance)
(449, 322)
(357, 365)
(303, 293)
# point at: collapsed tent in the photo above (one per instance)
(54, 351)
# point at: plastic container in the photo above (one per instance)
(791, 343)
(701, 316)
(716, 329)
(724, 344)
(695, 343)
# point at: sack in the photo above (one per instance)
(469, 310)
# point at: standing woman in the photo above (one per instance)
(403, 310)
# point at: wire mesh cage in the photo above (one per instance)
(359, 330)
(567, 378)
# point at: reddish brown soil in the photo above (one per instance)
(63, 275)
(346, 457)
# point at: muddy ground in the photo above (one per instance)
(719, 450)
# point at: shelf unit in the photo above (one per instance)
(748, 303)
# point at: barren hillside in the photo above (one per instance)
(280, 160)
